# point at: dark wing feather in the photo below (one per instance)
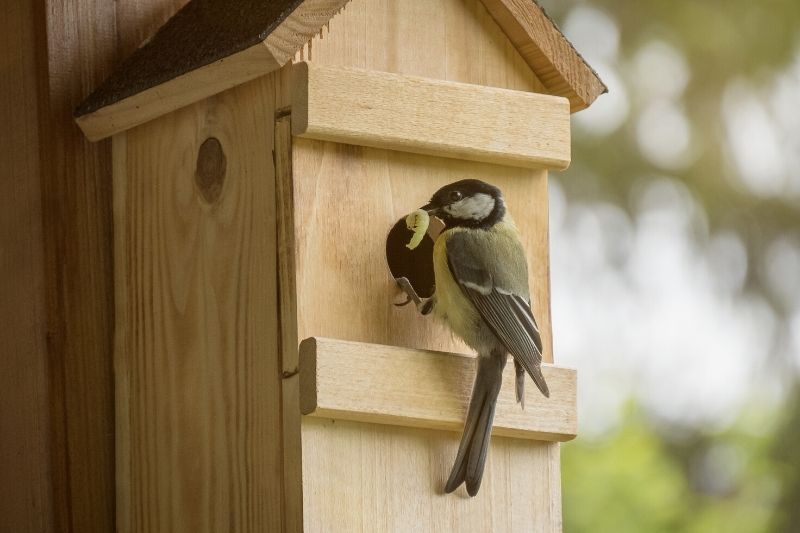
(508, 315)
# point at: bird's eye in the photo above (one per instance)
(455, 196)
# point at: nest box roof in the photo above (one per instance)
(212, 45)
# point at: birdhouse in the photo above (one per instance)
(262, 150)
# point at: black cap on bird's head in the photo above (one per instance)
(468, 203)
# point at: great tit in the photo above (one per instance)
(481, 276)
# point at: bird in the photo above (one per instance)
(482, 294)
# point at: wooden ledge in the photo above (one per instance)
(431, 117)
(418, 388)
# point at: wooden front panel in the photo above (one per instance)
(197, 364)
(372, 477)
(346, 199)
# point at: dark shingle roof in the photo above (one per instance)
(202, 32)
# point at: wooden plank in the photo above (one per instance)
(77, 43)
(179, 67)
(432, 117)
(374, 477)
(558, 65)
(346, 198)
(418, 388)
(26, 490)
(199, 422)
(287, 287)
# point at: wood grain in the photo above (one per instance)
(287, 288)
(76, 45)
(346, 198)
(556, 62)
(194, 82)
(196, 356)
(373, 477)
(432, 117)
(419, 388)
(26, 489)
(454, 40)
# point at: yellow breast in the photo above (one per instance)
(451, 304)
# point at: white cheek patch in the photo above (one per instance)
(476, 207)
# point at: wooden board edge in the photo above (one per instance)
(308, 376)
(288, 347)
(432, 423)
(298, 77)
(300, 27)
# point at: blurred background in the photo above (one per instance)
(676, 267)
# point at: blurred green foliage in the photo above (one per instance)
(638, 480)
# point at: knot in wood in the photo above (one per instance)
(210, 171)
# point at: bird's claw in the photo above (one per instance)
(423, 306)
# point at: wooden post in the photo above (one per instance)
(56, 379)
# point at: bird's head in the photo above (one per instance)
(468, 203)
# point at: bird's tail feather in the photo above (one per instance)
(474, 447)
(519, 383)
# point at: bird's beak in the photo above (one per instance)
(430, 208)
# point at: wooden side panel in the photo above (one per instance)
(432, 117)
(419, 388)
(454, 40)
(346, 199)
(370, 477)
(196, 359)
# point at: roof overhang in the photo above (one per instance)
(213, 45)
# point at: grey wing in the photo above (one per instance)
(508, 315)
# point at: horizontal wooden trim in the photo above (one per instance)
(418, 388)
(431, 117)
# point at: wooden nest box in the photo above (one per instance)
(261, 152)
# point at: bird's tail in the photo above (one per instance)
(474, 445)
(519, 383)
